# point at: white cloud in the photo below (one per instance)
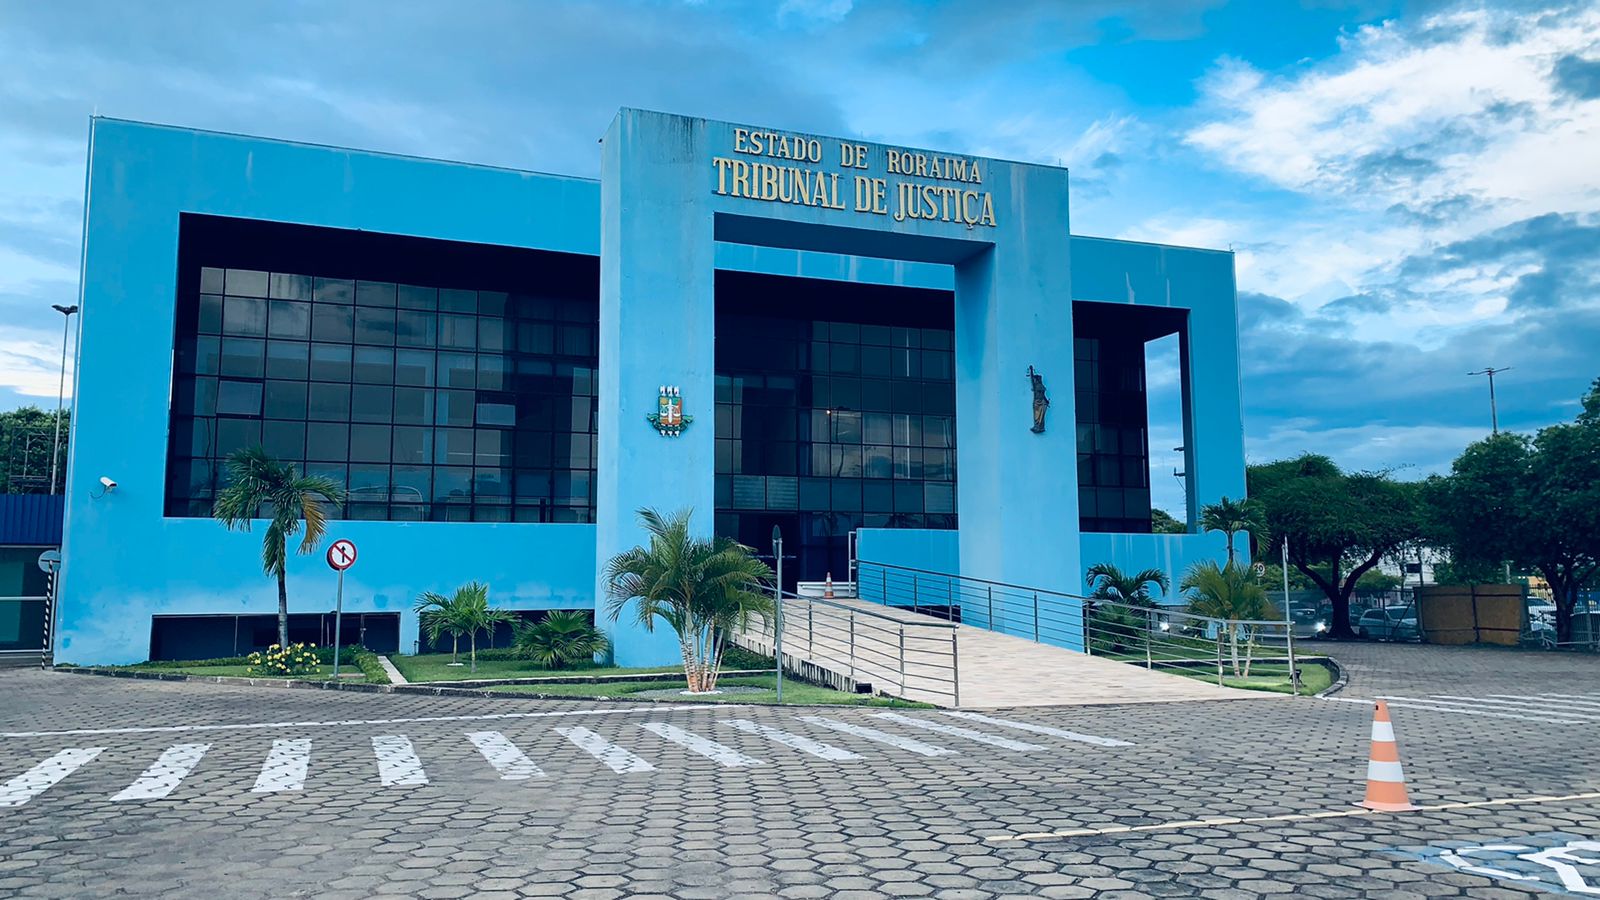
(30, 362)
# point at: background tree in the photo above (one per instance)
(1231, 593)
(470, 611)
(1339, 526)
(1114, 627)
(26, 436)
(1162, 522)
(434, 613)
(562, 638)
(1232, 517)
(261, 486)
(702, 588)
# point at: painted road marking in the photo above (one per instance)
(397, 761)
(957, 731)
(1582, 705)
(619, 760)
(795, 741)
(506, 757)
(1588, 715)
(882, 737)
(38, 779)
(285, 768)
(722, 754)
(1039, 729)
(174, 764)
(1442, 707)
(485, 717)
(1260, 820)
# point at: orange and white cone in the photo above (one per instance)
(1386, 781)
(827, 587)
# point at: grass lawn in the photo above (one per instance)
(436, 667)
(794, 692)
(1314, 677)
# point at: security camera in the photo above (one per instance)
(109, 484)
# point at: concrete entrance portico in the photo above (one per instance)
(672, 187)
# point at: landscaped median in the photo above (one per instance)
(358, 665)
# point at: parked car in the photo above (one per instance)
(1392, 623)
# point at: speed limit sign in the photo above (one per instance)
(1260, 568)
(341, 555)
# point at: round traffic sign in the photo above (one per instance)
(50, 562)
(1260, 569)
(341, 554)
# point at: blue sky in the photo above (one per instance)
(1412, 189)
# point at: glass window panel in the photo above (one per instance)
(288, 287)
(939, 397)
(532, 484)
(414, 297)
(492, 303)
(876, 394)
(491, 485)
(201, 478)
(877, 496)
(749, 492)
(452, 446)
(846, 461)
(492, 334)
(210, 315)
(493, 448)
(844, 359)
(783, 492)
(374, 293)
(583, 414)
(936, 365)
(815, 494)
(414, 328)
(239, 398)
(493, 373)
(455, 408)
(577, 340)
(936, 466)
(938, 431)
(338, 473)
(237, 434)
(939, 498)
(289, 319)
(284, 440)
(490, 413)
(370, 443)
(409, 490)
(413, 367)
(845, 393)
(334, 290)
(459, 370)
(413, 406)
(246, 283)
(375, 326)
(330, 362)
(846, 494)
(458, 332)
(207, 355)
(536, 337)
(332, 323)
(244, 315)
(285, 400)
(452, 484)
(846, 427)
(936, 338)
(451, 300)
(877, 461)
(369, 484)
(329, 402)
(243, 357)
(907, 497)
(413, 445)
(288, 359)
(211, 280)
(374, 365)
(371, 403)
(877, 428)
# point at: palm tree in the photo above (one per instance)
(1232, 594)
(434, 610)
(702, 588)
(1113, 628)
(561, 638)
(1107, 582)
(466, 612)
(1233, 516)
(259, 483)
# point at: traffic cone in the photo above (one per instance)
(827, 587)
(1386, 782)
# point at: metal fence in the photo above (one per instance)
(853, 649)
(1155, 637)
(22, 629)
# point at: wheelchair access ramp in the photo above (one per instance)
(853, 644)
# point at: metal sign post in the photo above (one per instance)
(1288, 624)
(50, 565)
(777, 604)
(341, 556)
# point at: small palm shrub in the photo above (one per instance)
(562, 638)
(283, 662)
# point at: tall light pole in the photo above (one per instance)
(1494, 414)
(61, 391)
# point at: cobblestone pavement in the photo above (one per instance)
(111, 786)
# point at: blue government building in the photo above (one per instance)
(856, 337)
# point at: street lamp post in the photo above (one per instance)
(61, 391)
(1494, 414)
(777, 605)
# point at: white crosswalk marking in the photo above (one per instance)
(722, 754)
(1554, 700)
(1040, 729)
(1562, 710)
(1441, 706)
(506, 757)
(882, 737)
(174, 764)
(285, 768)
(38, 779)
(398, 765)
(618, 759)
(957, 731)
(795, 741)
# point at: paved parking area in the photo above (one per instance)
(110, 786)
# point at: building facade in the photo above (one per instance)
(502, 367)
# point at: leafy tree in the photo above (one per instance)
(261, 486)
(1338, 525)
(562, 638)
(1534, 502)
(1231, 517)
(1162, 522)
(1233, 594)
(702, 588)
(26, 436)
(465, 612)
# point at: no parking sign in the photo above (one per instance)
(341, 555)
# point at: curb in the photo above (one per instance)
(1341, 679)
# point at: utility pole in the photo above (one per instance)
(1494, 414)
(61, 391)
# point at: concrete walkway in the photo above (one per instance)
(996, 670)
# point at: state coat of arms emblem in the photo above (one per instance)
(668, 417)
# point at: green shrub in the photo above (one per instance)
(368, 663)
(283, 662)
(562, 638)
(737, 658)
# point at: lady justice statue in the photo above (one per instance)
(1040, 401)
